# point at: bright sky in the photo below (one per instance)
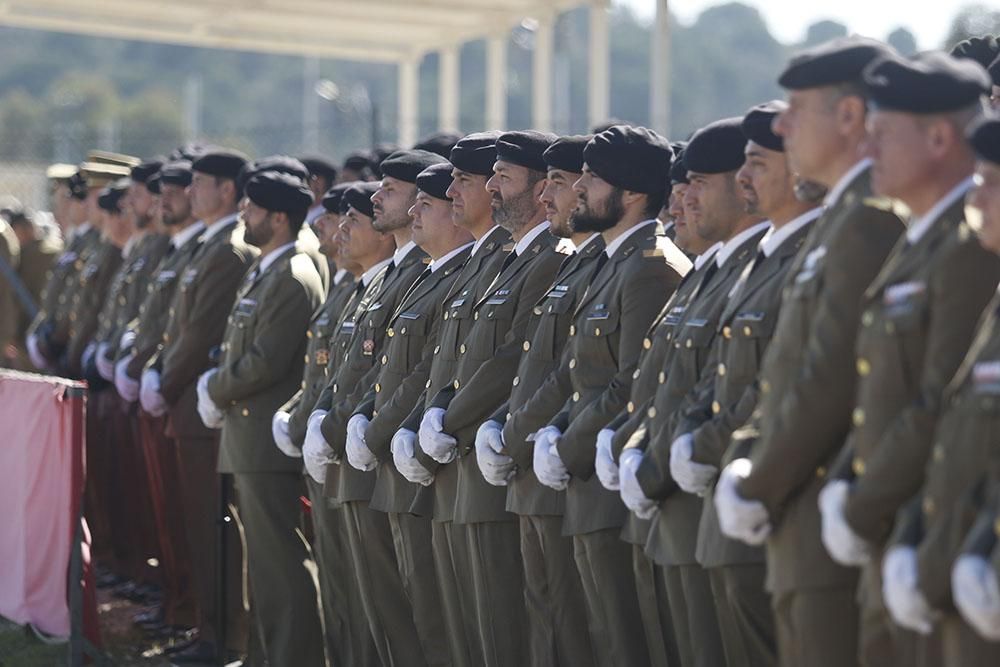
(788, 19)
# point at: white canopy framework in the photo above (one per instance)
(399, 32)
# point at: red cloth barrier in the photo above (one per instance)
(42, 472)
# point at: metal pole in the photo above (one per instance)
(659, 71)
(496, 82)
(448, 89)
(599, 102)
(541, 79)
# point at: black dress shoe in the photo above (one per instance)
(198, 652)
(108, 580)
(181, 645)
(154, 616)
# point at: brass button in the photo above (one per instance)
(246, 412)
(378, 387)
(646, 343)
(335, 387)
(516, 381)
(864, 367)
(651, 413)
(858, 417)
(765, 386)
(635, 375)
(306, 359)
(446, 316)
(166, 338)
(858, 466)
(538, 311)
(597, 331)
(630, 407)
(747, 331)
(427, 385)
(390, 333)
(475, 315)
(722, 370)
(727, 332)
(437, 348)
(403, 331)
(938, 453)
(576, 396)
(461, 348)
(526, 346)
(689, 343)
(572, 330)
(821, 472)
(716, 407)
(929, 506)
(868, 318)
(455, 384)
(663, 377)
(309, 334)
(385, 358)
(572, 364)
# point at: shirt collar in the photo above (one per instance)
(919, 226)
(339, 276)
(441, 261)
(131, 243)
(482, 239)
(402, 252)
(834, 193)
(368, 275)
(530, 237)
(773, 239)
(269, 259)
(612, 247)
(186, 234)
(218, 226)
(730, 246)
(587, 241)
(702, 259)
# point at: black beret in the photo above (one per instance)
(144, 170)
(78, 186)
(153, 183)
(378, 155)
(110, 198)
(678, 170)
(406, 165)
(435, 180)
(439, 142)
(525, 148)
(633, 158)
(566, 153)
(757, 123)
(476, 153)
(359, 197)
(317, 165)
(276, 191)
(932, 82)
(983, 50)
(994, 70)
(717, 148)
(358, 161)
(284, 164)
(220, 162)
(177, 172)
(333, 199)
(984, 135)
(839, 60)
(188, 152)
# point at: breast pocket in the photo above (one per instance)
(410, 335)
(493, 321)
(599, 344)
(748, 335)
(458, 316)
(241, 325)
(693, 343)
(904, 323)
(549, 337)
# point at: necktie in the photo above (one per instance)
(508, 260)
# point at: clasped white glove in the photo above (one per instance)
(316, 452)
(211, 415)
(695, 478)
(128, 337)
(126, 387)
(279, 429)
(976, 591)
(631, 492)
(604, 461)
(150, 398)
(433, 440)
(88, 354)
(40, 362)
(905, 602)
(497, 468)
(402, 445)
(358, 454)
(739, 518)
(548, 467)
(105, 366)
(840, 540)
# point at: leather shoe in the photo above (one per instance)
(196, 652)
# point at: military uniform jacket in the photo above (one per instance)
(728, 392)
(154, 312)
(86, 314)
(456, 321)
(919, 318)
(402, 375)
(964, 452)
(38, 258)
(673, 535)
(545, 339)
(198, 315)
(322, 327)
(10, 251)
(261, 364)
(356, 374)
(808, 380)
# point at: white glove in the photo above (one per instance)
(126, 387)
(402, 445)
(604, 461)
(631, 492)
(497, 467)
(843, 544)
(316, 452)
(548, 467)
(358, 454)
(149, 394)
(903, 599)
(279, 429)
(40, 362)
(739, 518)
(695, 478)
(88, 354)
(105, 366)
(128, 337)
(436, 444)
(211, 415)
(976, 591)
